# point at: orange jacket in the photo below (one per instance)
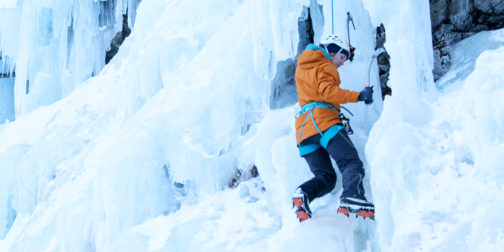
(317, 80)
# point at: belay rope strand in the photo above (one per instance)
(349, 19)
(332, 15)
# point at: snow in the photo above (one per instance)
(138, 155)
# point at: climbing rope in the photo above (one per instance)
(332, 15)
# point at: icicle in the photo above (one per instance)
(57, 45)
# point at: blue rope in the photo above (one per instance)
(309, 107)
(316, 126)
(332, 15)
(346, 110)
(301, 130)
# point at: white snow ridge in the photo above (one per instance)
(178, 143)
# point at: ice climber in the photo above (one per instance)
(320, 132)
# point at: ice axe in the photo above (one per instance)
(374, 56)
(352, 49)
(368, 75)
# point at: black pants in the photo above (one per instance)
(342, 150)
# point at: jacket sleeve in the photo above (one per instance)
(329, 90)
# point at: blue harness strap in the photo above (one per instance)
(325, 136)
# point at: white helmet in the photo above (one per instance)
(333, 44)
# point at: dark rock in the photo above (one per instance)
(383, 61)
(118, 40)
(454, 20)
(442, 61)
(489, 6)
(380, 36)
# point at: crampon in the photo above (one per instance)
(300, 201)
(358, 207)
(362, 212)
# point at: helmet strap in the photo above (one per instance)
(325, 47)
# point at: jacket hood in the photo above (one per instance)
(312, 56)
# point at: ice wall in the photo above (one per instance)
(407, 25)
(436, 174)
(56, 45)
(179, 95)
(6, 93)
(165, 126)
(6, 99)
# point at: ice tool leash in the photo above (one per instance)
(328, 134)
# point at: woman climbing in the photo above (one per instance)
(320, 132)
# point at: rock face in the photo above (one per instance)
(383, 61)
(454, 20)
(118, 40)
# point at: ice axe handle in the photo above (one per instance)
(373, 57)
(350, 19)
(352, 49)
(352, 52)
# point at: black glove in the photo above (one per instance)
(366, 95)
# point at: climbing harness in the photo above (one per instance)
(328, 134)
(352, 49)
